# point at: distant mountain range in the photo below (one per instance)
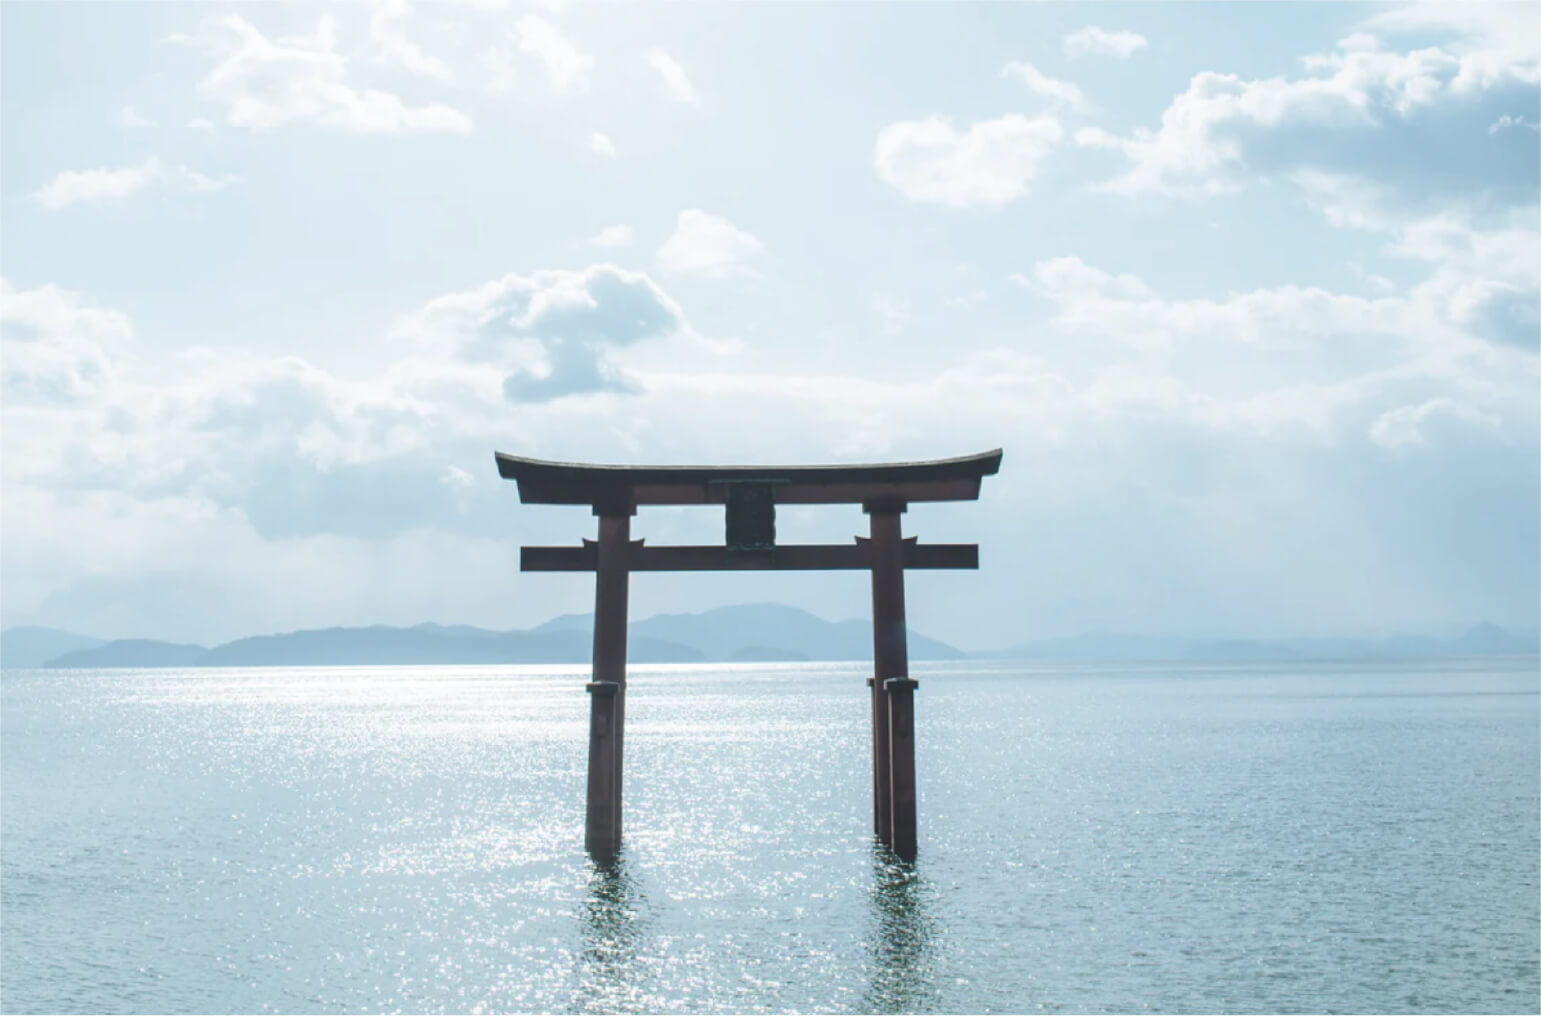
(763, 632)
(753, 632)
(1479, 640)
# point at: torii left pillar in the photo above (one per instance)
(893, 692)
(607, 691)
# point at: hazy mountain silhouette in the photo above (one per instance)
(426, 645)
(133, 653)
(768, 632)
(1480, 640)
(726, 633)
(31, 646)
(754, 632)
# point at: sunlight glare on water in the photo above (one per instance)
(1354, 837)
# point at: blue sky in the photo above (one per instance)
(1248, 293)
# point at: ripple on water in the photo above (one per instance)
(1093, 839)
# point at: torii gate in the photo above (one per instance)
(751, 494)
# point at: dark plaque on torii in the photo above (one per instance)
(750, 495)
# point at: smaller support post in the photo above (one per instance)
(881, 825)
(601, 831)
(901, 747)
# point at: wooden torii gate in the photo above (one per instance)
(750, 494)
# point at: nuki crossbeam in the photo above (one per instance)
(749, 495)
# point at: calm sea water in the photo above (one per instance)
(1352, 837)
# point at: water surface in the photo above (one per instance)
(1200, 838)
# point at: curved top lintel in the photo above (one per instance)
(544, 482)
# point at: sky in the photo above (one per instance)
(1247, 293)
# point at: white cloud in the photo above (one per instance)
(71, 187)
(498, 64)
(1060, 92)
(1094, 41)
(200, 124)
(1407, 426)
(1344, 112)
(131, 118)
(391, 44)
(1124, 307)
(892, 313)
(550, 332)
(600, 144)
(567, 67)
(967, 299)
(1509, 120)
(990, 164)
(457, 478)
(156, 488)
(1347, 202)
(56, 348)
(1493, 41)
(612, 236)
(264, 83)
(673, 75)
(708, 245)
(1485, 280)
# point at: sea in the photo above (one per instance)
(1166, 837)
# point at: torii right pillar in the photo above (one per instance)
(893, 693)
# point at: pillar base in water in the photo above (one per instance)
(901, 765)
(602, 830)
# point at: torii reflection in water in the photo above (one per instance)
(901, 943)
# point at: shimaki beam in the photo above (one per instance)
(750, 495)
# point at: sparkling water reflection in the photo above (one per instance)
(900, 943)
(1306, 838)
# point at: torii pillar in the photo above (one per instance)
(607, 690)
(750, 495)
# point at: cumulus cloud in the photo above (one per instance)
(1493, 42)
(392, 45)
(56, 347)
(567, 67)
(892, 313)
(991, 163)
(219, 471)
(673, 75)
(709, 245)
(74, 186)
(1486, 282)
(1094, 41)
(552, 331)
(1485, 274)
(131, 118)
(1361, 109)
(1059, 92)
(1125, 307)
(264, 83)
(612, 236)
(1409, 426)
(1508, 121)
(282, 441)
(1483, 286)
(600, 144)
